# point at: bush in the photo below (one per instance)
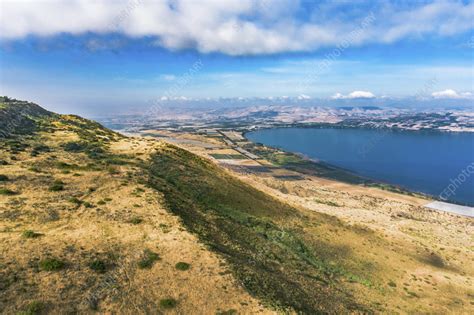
(33, 308)
(88, 204)
(3, 178)
(30, 234)
(7, 192)
(75, 201)
(75, 146)
(136, 220)
(98, 266)
(182, 266)
(148, 259)
(57, 186)
(51, 264)
(168, 303)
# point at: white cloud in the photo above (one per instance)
(449, 93)
(354, 95)
(234, 27)
(304, 97)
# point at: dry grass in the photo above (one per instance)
(79, 248)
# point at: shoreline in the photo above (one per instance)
(372, 182)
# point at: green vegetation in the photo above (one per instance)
(182, 266)
(148, 259)
(168, 303)
(136, 220)
(88, 204)
(228, 156)
(260, 237)
(3, 178)
(30, 234)
(7, 192)
(33, 308)
(302, 165)
(51, 264)
(57, 185)
(98, 266)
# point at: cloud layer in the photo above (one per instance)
(354, 95)
(236, 27)
(449, 93)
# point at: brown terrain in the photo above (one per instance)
(92, 221)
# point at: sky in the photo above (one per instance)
(94, 57)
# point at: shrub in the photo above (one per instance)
(7, 192)
(98, 266)
(75, 146)
(3, 178)
(136, 220)
(57, 186)
(30, 234)
(88, 204)
(168, 303)
(33, 308)
(75, 200)
(148, 259)
(182, 266)
(35, 169)
(101, 202)
(51, 264)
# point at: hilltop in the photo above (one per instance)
(92, 221)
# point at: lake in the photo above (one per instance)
(435, 163)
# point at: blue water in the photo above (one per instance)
(439, 164)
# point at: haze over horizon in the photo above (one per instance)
(113, 56)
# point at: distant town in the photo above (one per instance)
(267, 116)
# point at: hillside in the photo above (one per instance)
(95, 221)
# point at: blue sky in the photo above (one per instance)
(93, 57)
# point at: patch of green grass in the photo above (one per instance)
(148, 259)
(32, 308)
(98, 266)
(57, 185)
(3, 178)
(75, 201)
(218, 156)
(182, 266)
(88, 204)
(168, 303)
(136, 220)
(7, 192)
(51, 264)
(35, 169)
(30, 234)
(75, 146)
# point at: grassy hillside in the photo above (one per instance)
(94, 221)
(80, 232)
(263, 239)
